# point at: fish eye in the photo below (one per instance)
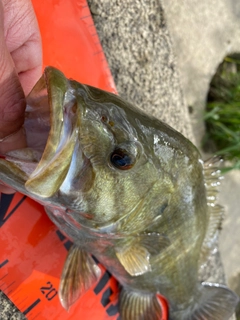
(125, 155)
(120, 159)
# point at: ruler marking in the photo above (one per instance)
(16, 292)
(22, 301)
(102, 282)
(12, 211)
(98, 52)
(106, 297)
(3, 263)
(68, 244)
(18, 204)
(95, 259)
(85, 17)
(4, 276)
(6, 200)
(31, 306)
(112, 310)
(9, 292)
(10, 285)
(60, 235)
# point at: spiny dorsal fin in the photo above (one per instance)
(215, 221)
(135, 305)
(80, 272)
(134, 259)
(213, 177)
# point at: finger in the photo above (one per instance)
(16, 140)
(23, 41)
(29, 70)
(12, 99)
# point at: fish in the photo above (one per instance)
(127, 189)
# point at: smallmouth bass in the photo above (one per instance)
(126, 188)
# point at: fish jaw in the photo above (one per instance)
(51, 127)
(64, 116)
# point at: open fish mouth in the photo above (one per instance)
(51, 125)
(54, 169)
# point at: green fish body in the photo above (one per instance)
(126, 188)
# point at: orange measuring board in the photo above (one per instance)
(32, 249)
(70, 42)
(32, 254)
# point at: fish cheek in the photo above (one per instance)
(96, 142)
(84, 180)
(81, 184)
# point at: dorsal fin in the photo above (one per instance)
(213, 177)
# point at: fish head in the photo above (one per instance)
(96, 158)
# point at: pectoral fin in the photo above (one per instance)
(80, 272)
(134, 306)
(135, 259)
(134, 254)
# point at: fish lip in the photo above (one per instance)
(64, 116)
(51, 127)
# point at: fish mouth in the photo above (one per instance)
(51, 125)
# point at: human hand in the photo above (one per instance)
(20, 68)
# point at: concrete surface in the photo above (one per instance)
(138, 47)
(203, 33)
(230, 234)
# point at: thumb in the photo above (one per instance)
(12, 99)
(12, 105)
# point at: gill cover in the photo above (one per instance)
(51, 170)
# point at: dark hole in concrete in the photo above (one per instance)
(222, 117)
